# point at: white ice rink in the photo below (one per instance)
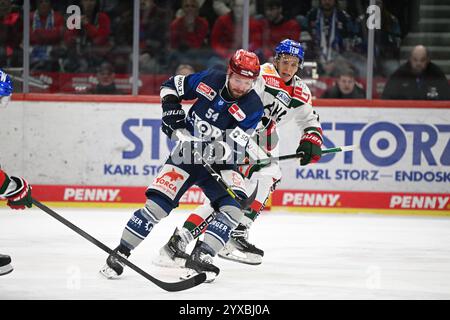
(307, 256)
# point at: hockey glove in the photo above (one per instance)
(310, 146)
(173, 118)
(21, 197)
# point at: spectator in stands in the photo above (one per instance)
(110, 7)
(345, 87)
(184, 70)
(417, 79)
(121, 31)
(154, 37)
(188, 37)
(105, 78)
(386, 43)
(226, 34)
(209, 9)
(11, 27)
(277, 26)
(407, 13)
(88, 46)
(46, 34)
(291, 9)
(189, 30)
(331, 31)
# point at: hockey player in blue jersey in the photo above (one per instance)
(225, 101)
(286, 98)
(5, 88)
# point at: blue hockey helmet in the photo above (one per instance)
(292, 48)
(6, 87)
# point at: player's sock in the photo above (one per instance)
(138, 227)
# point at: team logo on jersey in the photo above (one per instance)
(237, 179)
(170, 180)
(206, 91)
(234, 180)
(269, 70)
(236, 112)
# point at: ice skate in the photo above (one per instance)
(5, 264)
(239, 249)
(199, 261)
(173, 254)
(114, 267)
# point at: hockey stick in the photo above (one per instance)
(300, 154)
(243, 203)
(168, 286)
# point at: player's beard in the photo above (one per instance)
(237, 93)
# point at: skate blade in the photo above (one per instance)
(109, 273)
(241, 257)
(210, 276)
(164, 260)
(6, 269)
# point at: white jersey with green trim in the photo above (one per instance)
(282, 102)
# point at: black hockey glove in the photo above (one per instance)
(173, 118)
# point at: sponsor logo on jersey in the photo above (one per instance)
(203, 128)
(91, 194)
(284, 98)
(179, 84)
(236, 112)
(170, 180)
(301, 95)
(206, 91)
(239, 136)
(272, 81)
(172, 176)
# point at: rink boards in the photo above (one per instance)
(106, 153)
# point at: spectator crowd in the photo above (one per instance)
(201, 34)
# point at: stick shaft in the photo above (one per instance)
(177, 286)
(299, 155)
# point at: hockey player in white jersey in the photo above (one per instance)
(285, 97)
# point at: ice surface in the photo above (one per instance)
(307, 256)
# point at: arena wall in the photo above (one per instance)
(83, 150)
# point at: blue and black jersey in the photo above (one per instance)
(214, 111)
